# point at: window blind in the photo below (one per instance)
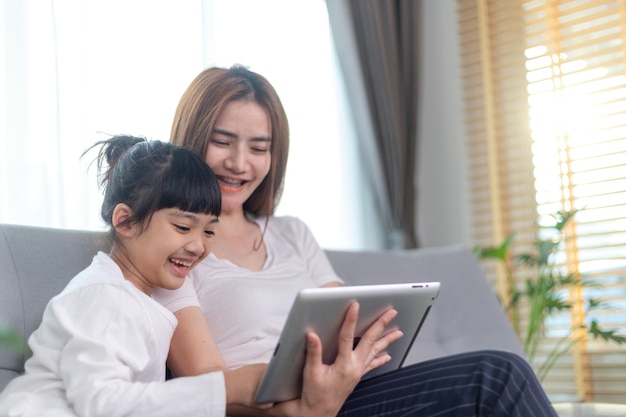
(545, 109)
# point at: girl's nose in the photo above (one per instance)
(198, 245)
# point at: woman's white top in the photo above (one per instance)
(246, 310)
(100, 351)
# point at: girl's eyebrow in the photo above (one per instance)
(191, 216)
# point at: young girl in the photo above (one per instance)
(244, 288)
(103, 341)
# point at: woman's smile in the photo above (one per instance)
(239, 151)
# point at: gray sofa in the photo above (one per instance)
(36, 263)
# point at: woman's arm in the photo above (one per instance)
(193, 350)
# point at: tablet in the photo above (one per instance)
(322, 310)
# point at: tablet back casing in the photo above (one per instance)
(322, 311)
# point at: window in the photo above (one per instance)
(545, 103)
(78, 71)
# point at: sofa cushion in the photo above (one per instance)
(466, 316)
(590, 409)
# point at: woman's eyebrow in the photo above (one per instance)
(234, 136)
(261, 139)
(224, 132)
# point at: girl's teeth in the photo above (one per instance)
(185, 264)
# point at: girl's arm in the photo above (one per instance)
(193, 350)
(110, 361)
(113, 340)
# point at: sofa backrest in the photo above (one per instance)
(36, 263)
(466, 316)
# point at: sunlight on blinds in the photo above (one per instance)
(545, 96)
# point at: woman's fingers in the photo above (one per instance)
(371, 348)
(326, 387)
(313, 355)
(346, 332)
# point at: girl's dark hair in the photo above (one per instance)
(152, 175)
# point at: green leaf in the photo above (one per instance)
(563, 218)
(11, 339)
(567, 280)
(498, 252)
(527, 259)
(598, 304)
(607, 335)
(546, 249)
(545, 292)
(556, 303)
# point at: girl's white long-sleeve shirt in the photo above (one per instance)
(100, 351)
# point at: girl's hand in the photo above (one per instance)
(241, 385)
(326, 387)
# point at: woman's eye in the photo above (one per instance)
(259, 150)
(219, 142)
(209, 233)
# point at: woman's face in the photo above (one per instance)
(239, 151)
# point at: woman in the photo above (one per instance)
(234, 118)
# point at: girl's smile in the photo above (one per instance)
(163, 253)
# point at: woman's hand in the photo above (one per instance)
(326, 387)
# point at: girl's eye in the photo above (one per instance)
(209, 233)
(260, 150)
(181, 228)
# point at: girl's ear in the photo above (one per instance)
(122, 213)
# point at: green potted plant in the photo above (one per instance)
(543, 294)
(11, 339)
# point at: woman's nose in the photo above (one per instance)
(236, 160)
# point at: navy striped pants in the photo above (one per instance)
(483, 383)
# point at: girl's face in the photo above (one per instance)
(168, 248)
(239, 151)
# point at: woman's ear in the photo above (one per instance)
(121, 214)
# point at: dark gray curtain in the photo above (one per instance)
(377, 45)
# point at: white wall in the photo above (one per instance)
(443, 205)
